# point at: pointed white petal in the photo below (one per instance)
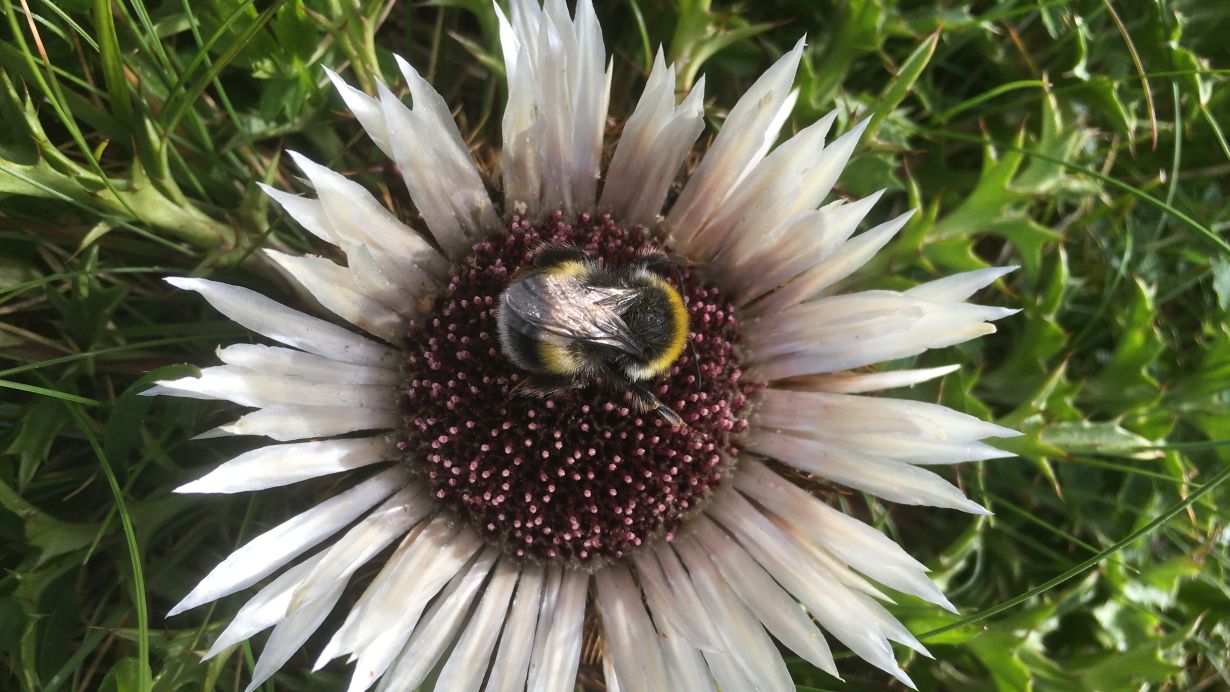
(806, 413)
(285, 423)
(726, 672)
(267, 552)
(308, 212)
(428, 557)
(276, 360)
(745, 137)
(760, 262)
(746, 641)
(358, 218)
(912, 450)
(891, 480)
(589, 91)
(430, 639)
(685, 663)
(512, 661)
(958, 287)
(366, 109)
(384, 525)
(629, 635)
(651, 147)
(332, 285)
(276, 465)
(674, 604)
(773, 191)
(858, 544)
(556, 669)
(853, 330)
(522, 127)
(608, 675)
(436, 165)
(291, 633)
(467, 664)
(264, 609)
(291, 327)
(767, 601)
(249, 388)
(860, 382)
(843, 262)
(849, 616)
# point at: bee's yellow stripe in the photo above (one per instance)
(569, 268)
(558, 359)
(679, 339)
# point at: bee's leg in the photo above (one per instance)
(663, 264)
(542, 386)
(647, 399)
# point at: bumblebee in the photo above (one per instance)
(568, 321)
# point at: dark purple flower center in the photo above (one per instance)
(582, 476)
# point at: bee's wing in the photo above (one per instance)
(566, 307)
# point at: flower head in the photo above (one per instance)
(515, 527)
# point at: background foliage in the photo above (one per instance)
(1081, 140)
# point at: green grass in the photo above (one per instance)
(1081, 140)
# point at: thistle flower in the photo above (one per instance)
(517, 531)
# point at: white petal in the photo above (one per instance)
(590, 91)
(860, 382)
(308, 212)
(386, 524)
(267, 607)
(556, 669)
(761, 262)
(249, 388)
(958, 287)
(891, 480)
(366, 109)
(835, 322)
(767, 601)
(746, 641)
(725, 670)
(814, 349)
(275, 465)
(430, 639)
(685, 662)
(651, 147)
(436, 165)
(848, 615)
(745, 137)
(426, 559)
(291, 633)
(291, 327)
(276, 360)
(557, 106)
(332, 285)
(284, 423)
(357, 218)
(773, 191)
(522, 126)
(512, 661)
(910, 449)
(808, 412)
(467, 664)
(609, 677)
(842, 263)
(629, 635)
(267, 552)
(858, 544)
(672, 603)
